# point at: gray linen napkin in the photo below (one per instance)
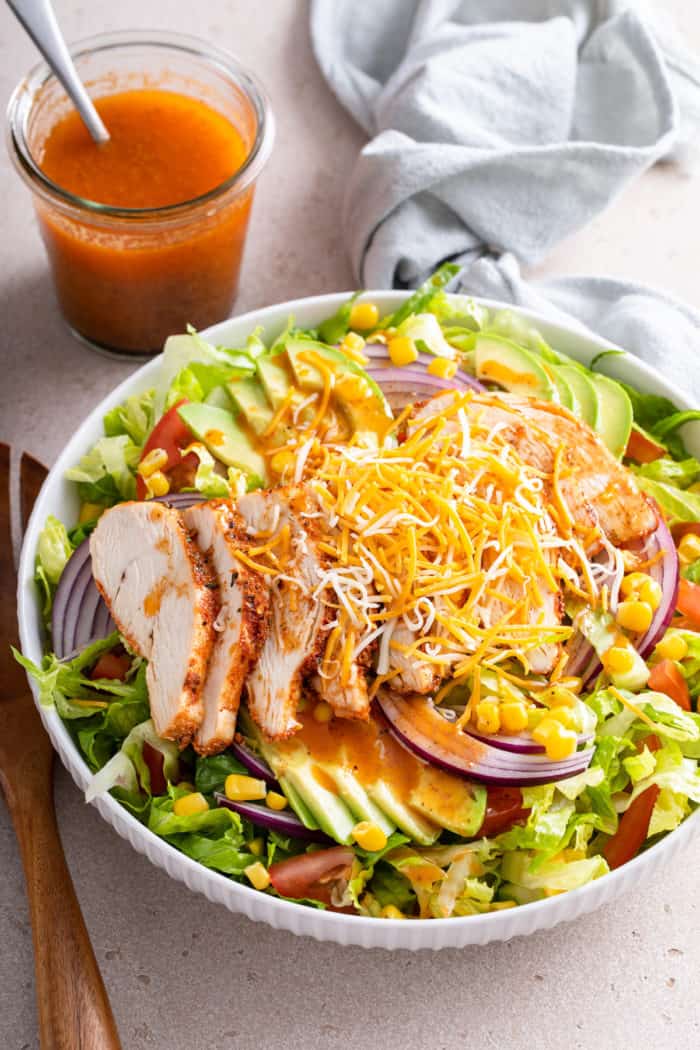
(498, 127)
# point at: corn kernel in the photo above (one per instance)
(651, 593)
(672, 647)
(488, 719)
(189, 805)
(443, 368)
(390, 911)
(689, 548)
(275, 801)
(369, 836)
(558, 742)
(634, 616)
(618, 660)
(240, 788)
(282, 460)
(402, 350)
(632, 583)
(350, 387)
(89, 512)
(562, 715)
(154, 460)
(258, 875)
(559, 696)
(256, 847)
(364, 316)
(514, 716)
(158, 484)
(322, 712)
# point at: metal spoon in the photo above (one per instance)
(39, 20)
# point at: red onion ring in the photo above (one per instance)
(254, 763)
(666, 572)
(281, 821)
(402, 385)
(421, 729)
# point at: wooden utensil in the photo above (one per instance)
(74, 1011)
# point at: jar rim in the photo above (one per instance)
(25, 94)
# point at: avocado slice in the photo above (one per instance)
(615, 418)
(452, 802)
(223, 436)
(584, 392)
(407, 819)
(510, 366)
(565, 394)
(367, 416)
(249, 398)
(330, 812)
(219, 397)
(276, 378)
(356, 798)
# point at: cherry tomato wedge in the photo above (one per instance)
(154, 760)
(170, 434)
(504, 807)
(632, 829)
(110, 665)
(642, 448)
(667, 678)
(688, 602)
(313, 876)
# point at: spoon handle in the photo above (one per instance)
(74, 1010)
(39, 20)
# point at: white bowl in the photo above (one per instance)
(58, 497)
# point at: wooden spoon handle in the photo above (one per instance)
(74, 1011)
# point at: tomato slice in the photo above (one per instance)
(688, 602)
(667, 678)
(154, 760)
(504, 807)
(313, 876)
(642, 448)
(632, 829)
(110, 665)
(171, 434)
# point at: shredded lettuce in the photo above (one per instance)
(336, 327)
(127, 768)
(134, 417)
(678, 504)
(425, 331)
(106, 474)
(424, 295)
(53, 551)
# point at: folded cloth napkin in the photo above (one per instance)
(498, 128)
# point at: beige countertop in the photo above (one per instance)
(183, 974)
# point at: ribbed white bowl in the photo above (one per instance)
(57, 497)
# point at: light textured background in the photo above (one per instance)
(182, 974)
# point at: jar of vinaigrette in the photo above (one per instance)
(144, 233)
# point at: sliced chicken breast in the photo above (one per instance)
(348, 699)
(297, 617)
(416, 675)
(593, 478)
(163, 599)
(241, 625)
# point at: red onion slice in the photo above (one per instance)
(405, 384)
(419, 726)
(282, 821)
(254, 763)
(666, 572)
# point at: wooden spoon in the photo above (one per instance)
(74, 1011)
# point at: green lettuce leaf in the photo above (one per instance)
(134, 417)
(679, 473)
(106, 474)
(423, 296)
(425, 331)
(211, 771)
(335, 328)
(678, 504)
(554, 875)
(128, 770)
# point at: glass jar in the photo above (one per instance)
(127, 278)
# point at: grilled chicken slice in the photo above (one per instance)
(163, 599)
(594, 479)
(241, 625)
(417, 676)
(297, 617)
(347, 699)
(549, 613)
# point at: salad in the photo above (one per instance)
(397, 616)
